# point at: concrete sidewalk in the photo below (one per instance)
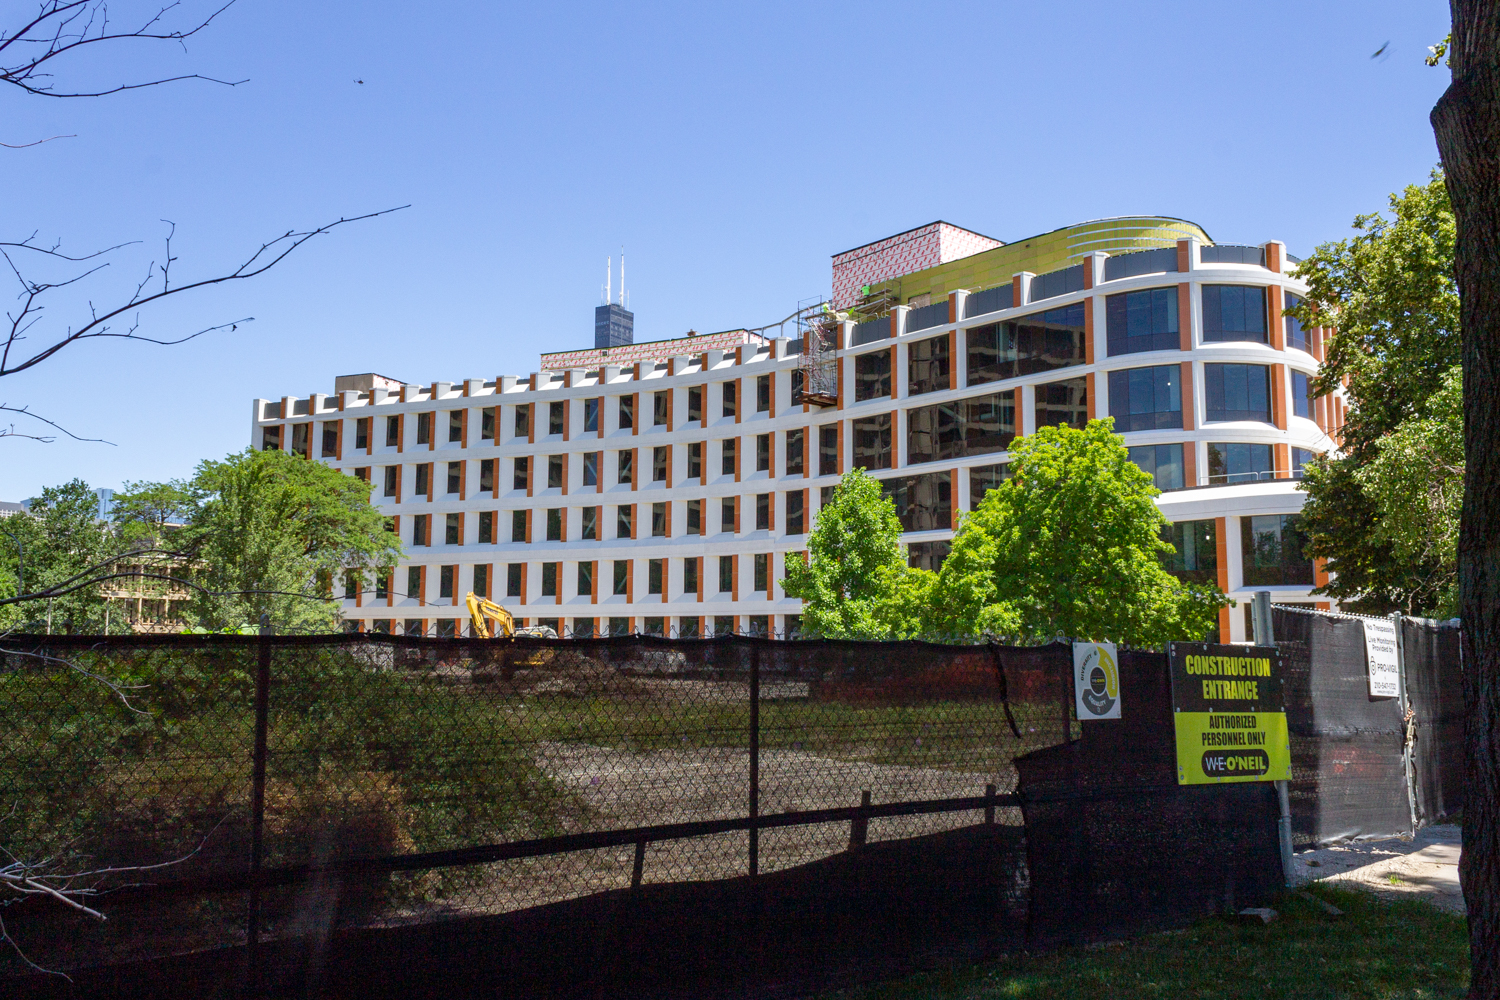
(1423, 867)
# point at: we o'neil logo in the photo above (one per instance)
(1219, 764)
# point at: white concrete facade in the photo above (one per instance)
(350, 430)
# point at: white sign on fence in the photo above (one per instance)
(1380, 650)
(1096, 680)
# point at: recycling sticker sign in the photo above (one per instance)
(1229, 713)
(1096, 680)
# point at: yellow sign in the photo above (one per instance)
(1229, 714)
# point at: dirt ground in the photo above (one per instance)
(1423, 867)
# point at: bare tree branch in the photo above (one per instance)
(38, 142)
(61, 27)
(44, 438)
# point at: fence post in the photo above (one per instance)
(859, 826)
(1265, 635)
(1408, 724)
(258, 804)
(989, 805)
(754, 756)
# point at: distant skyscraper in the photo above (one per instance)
(614, 326)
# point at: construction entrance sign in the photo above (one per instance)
(1229, 713)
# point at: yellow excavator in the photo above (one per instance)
(481, 608)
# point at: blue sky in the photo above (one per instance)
(730, 149)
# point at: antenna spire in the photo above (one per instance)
(622, 277)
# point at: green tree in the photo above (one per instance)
(1071, 545)
(1390, 295)
(270, 531)
(145, 514)
(62, 536)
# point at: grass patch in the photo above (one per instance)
(1378, 950)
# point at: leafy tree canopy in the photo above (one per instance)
(1390, 294)
(1071, 545)
(61, 536)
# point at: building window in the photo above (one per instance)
(424, 480)
(486, 526)
(555, 471)
(1041, 342)
(590, 528)
(983, 478)
(513, 579)
(455, 426)
(451, 524)
(623, 516)
(487, 475)
(794, 513)
(659, 464)
(1195, 558)
(447, 628)
(872, 375)
(591, 415)
(591, 468)
(555, 417)
(299, 439)
(923, 503)
(1273, 548)
(362, 433)
(330, 440)
(554, 524)
(445, 581)
(419, 530)
(1238, 463)
(414, 583)
(382, 587)
(424, 428)
(731, 392)
(1063, 404)
(653, 576)
(555, 624)
(392, 479)
(412, 626)
(455, 476)
(1302, 397)
(1300, 458)
(1234, 313)
(726, 576)
(1238, 392)
(585, 579)
(549, 579)
(482, 580)
(695, 460)
(351, 585)
(270, 438)
(927, 555)
(518, 526)
(658, 520)
(689, 576)
(363, 475)
(619, 626)
(392, 432)
(522, 473)
(487, 423)
(655, 626)
(1144, 399)
(723, 624)
(622, 577)
(1296, 336)
(695, 403)
(583, 628)
(627, 413)
(828, 450)
(762, 571)
(695, 517)
(795, 445)
(1142, 321)
(727, 514)
(763, 512)
(762, 393)
(523, 420)
(659, 409)
(872, 442)
(1162, 462)
(727, 461)
(687, 628)
(626, 466)
(799, 380)
(927, 366)
(762, 453)
(976, 426)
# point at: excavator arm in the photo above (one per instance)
(481, 608)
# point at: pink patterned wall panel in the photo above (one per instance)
(924, 247)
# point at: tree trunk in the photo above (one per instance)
(1467, 124)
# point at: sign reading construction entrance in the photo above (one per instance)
(1229, 713)
(1096, 680)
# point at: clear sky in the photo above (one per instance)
(731, 149)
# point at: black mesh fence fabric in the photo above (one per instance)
(1115, 846)
(1435, 693)
(409, 780)
(1348, 771)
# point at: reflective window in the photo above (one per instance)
(1238, 392)
(1041, 342)
(983, 478)
(872, 442)
(1142, 321)
(927, 366)
(1234, 462)
(1143, 399)
(923, 503)
(1296, 336)
(872, 375)
(1162, 462)
(1302, 396)
(1234, 312)
(1273, 548)
(1064, 403)
(975, 426)
(1195, 558)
